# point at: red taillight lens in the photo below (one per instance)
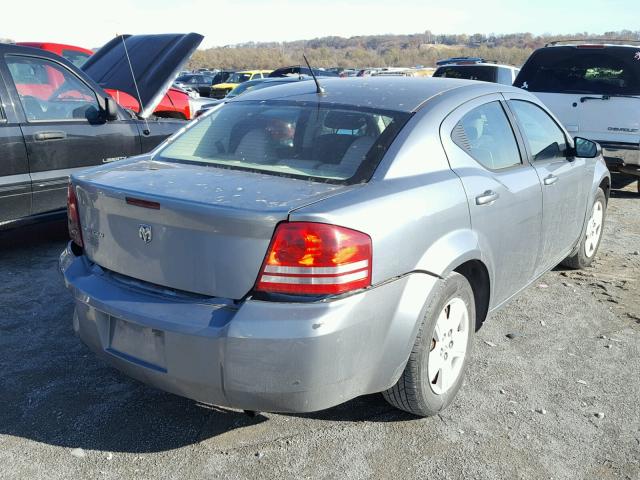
(307, 258)
(73, 217)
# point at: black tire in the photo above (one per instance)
(414, 392)
(580, 259)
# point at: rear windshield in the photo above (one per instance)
(326, 143)
(238, 77)
(485, 73)
(604, 71)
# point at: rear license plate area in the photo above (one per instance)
(137, 344)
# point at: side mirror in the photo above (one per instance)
(585, 148)
(110, 109)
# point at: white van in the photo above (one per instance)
(474, 68)
(593, 87)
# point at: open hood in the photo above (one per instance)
(156, 60)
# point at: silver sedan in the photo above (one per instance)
(293, 249)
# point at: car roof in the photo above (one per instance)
(479, 64)
(51, 46)
(589, 46)
(403, 94)
(594, 42)
(293, 78)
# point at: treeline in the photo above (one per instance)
(384, 50)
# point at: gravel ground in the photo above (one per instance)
(558, 400)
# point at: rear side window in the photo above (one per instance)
(486, 135)
(546, 140)
(603, 71)
(329, 143)
(485, 73)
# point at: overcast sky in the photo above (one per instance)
(92, 23)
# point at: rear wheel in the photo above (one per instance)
(436, 366)
(591, 237)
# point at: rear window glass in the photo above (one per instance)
(326, 143)
(239, 77)
(484, 73)
(604, 71)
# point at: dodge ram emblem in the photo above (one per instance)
(144, 232)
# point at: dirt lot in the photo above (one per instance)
(558, 400)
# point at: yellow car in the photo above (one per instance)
(221, 89)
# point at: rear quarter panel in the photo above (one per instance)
(414, 208)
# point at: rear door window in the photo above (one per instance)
(329, 143)
(604, 71)
(486, 135)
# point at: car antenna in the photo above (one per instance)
(319, 89)
(146, 130)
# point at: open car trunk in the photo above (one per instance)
(192, 228)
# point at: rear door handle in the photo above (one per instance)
(487, 197)
(44, 136)
(550, 179)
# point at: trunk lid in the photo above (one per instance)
(155, 59)
(207, 232)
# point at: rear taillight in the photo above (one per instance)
(307, 258)
(73, 217)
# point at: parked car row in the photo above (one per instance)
(218, 84)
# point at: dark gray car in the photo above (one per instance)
(198, 82)
(56, 119)
(291, 250)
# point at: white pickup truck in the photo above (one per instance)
(593, 87)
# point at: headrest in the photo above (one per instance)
(341, 120)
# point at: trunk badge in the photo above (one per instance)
(144, 232)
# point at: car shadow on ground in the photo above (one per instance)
(112, 413)
(34, 235)
(619, 182)
(55, 391)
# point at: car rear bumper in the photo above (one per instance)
(254, 355)
(620, 154)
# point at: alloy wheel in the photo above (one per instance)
(594, 229)
(448, 346)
